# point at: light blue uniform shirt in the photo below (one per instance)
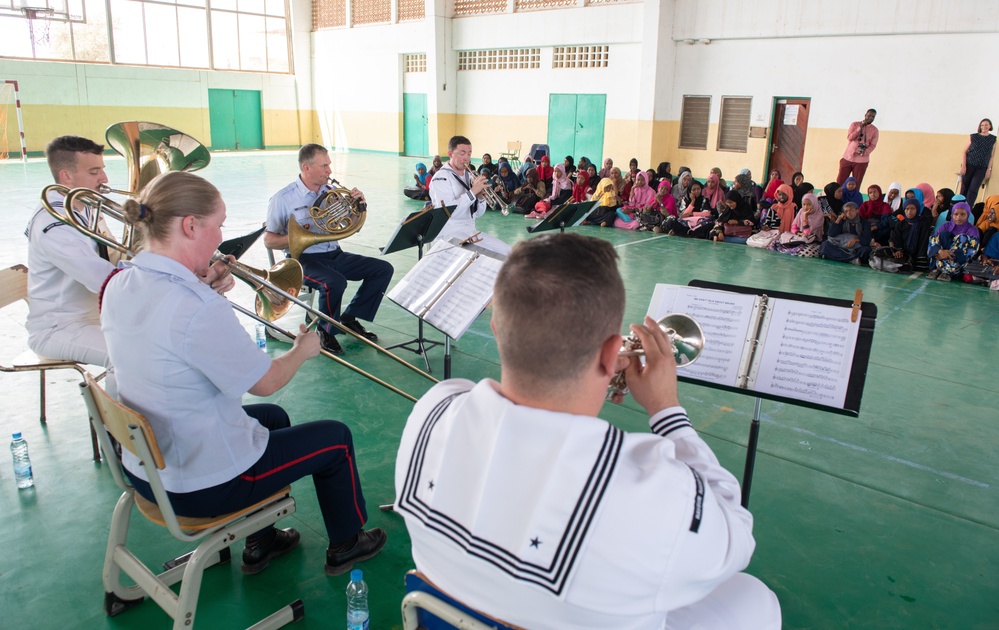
(184, 362)
(294, 200)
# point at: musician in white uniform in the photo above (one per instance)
(523, 504)
(184, 361)
(65, 268)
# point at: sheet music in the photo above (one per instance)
(426, 281)
(450, 286)
(726, 320)
(470, 294)
(808, 354)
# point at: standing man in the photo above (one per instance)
(453, 185)
(327, 267)
(862, 139)
(65, 267)
(524, 505)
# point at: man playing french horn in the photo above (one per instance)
(524, 505)
(327, 267)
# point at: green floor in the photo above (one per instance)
(888, 520)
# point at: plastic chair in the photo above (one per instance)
(538, 151)
(13, 288)
(217, 534)
(426, 606)
(512, 153)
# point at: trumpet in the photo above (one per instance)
(685, 335)
(491, 197)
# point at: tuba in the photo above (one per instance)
(684, 334)
(336, 213)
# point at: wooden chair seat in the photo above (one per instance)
(193, 524)
(29, 361)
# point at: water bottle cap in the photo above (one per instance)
(16, 436)
(356, 575)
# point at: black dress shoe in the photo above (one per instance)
(356, 326)
(369, 543)
(257, 557)
(329, 342)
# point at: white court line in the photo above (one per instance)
(911, 297)
(644, 240)
(916, 275)
(863, 449)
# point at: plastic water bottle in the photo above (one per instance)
(22, 465)
(262, 336)
(357, 602)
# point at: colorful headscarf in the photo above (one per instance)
(967, 228)
(579, 191)
(871, 209)
(991, 205)
(929, 196)
(422, 178)
(641, 196)
(852, 195)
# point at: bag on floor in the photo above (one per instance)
(763, 239)
(738, 231)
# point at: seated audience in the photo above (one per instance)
(609, 201)
(546, 172)
(592, 171)
(953, 244)
(529, 193)
(683, 181)
(735, 224)
(714, 192)
(663, 207)
(570, 165)
(605, 171)
(561, 191)
(940, 206)
(420, 189)
(770, 192)
(988, 224)
(800, 190)
(721, 180)
(506, 182)
(929, 196)
(893, 197)
(851, 193)
(435, 166)
(805, 232)
(849, 237)
(581, 189)
(663, 172)
(746, 187)
(910, 237)
(781, 213)
(642, 198)
(697, 216)
(487, 164)
(525, 166)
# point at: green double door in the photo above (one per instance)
(576, 126)
(416, 140)
(236, 120)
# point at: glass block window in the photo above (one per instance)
(370, 11)
(411, 10)
(499, 59)
(531, 5)
(478, 7)
(328, 14)
(580, 56)
(415, 62)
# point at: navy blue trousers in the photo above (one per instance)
(323, 449)
(329, 272)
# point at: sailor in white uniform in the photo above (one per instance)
(523, 504)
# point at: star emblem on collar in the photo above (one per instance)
(535, 542)
(430, 485)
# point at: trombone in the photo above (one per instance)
(272, 300)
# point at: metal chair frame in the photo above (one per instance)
(217, 534)
(427, 606)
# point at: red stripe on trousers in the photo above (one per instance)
(350, 461)
(326, 289)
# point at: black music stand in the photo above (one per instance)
(566, 215)
(414, 231)
(237, 246)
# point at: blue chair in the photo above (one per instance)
(538, 151)
(427, 607)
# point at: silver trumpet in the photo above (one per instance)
(684, 333)
(491, 196)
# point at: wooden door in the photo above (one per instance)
(787, 141)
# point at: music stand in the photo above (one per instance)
(566, 215)
(238, 246)
(414, 231)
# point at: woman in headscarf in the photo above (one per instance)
(663, 207)
(770, 193)
(663, 172)
(714, 192)
(561, 192)
(849, 237)
(877, 213)
(781, 214)
(831, 203)
(910, 236)
(580, 190)
(696, 218)
(746, 187)
(594, 178)
(652, 178)
(622, 184)
(683, 181)
(917, 194)
(642, 198)
(608, 202)
(800, 190)
(419, 189)
(527, 165)
(953, 245)
(605, 171)
(507, 181)
(721, 180)
(850, 192)
(893, 197)
(929, 196)
(435, 166)
(529, 193)
(940, 206)
(988, 223)
(735, 224)
(805, 229)
(546, 172)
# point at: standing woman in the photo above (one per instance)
(976, 161)
(184, 361)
